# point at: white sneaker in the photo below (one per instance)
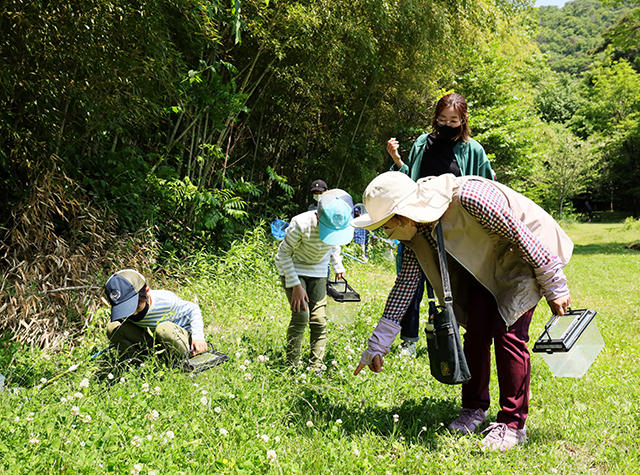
(502, 437)
(408, 348)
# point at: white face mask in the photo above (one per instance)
(401, 232)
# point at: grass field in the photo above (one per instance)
(255, 415)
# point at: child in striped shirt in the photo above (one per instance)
(311, 240)
(141, 317)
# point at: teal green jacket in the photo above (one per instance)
(470, 156)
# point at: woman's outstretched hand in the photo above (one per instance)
(375, 366)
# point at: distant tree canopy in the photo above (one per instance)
(196, 118)
(571, 34)
(593, 93)
(199, 116)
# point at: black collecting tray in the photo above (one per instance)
(341, 291)
(561, 333)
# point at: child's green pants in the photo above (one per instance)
(315, 316)
(131, 339)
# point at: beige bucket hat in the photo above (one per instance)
(394, 193)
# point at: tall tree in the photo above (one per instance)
(612, 113)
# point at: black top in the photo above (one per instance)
(438, 157)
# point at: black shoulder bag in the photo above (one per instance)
(446, 357)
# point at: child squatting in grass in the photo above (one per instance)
(175, 324)
(504, 254)
(311, 240)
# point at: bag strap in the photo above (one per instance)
(432, 300)
(444, 268)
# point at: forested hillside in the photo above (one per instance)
(572, 34)
(144, 134)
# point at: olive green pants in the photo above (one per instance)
(315, 316)
(132, 340)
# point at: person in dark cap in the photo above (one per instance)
(318, 187)
(141, 318)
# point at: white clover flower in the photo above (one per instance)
(349, 357)
(247, 362)
(43, 380)
(356, 452)
(63, 399)
(153, 472)
(323, 367)
(204, 392)
(224, 431)
(204, 400)
(34, 440)
(122, 380)
(396, 418)
(232, 396)
(149, 437)
(136, 441)
(271, 456)
(73, 367)
(84, 384)
(238, 354)
(156, 391)
(17, 419)
(350, 367)
(169, 436)
(137, 468)
(265, 437)
(110, 376)
(145, 387)
(242, 367)
(78, 395)
(303, 376)
(29, 417)
(82, 443)
(86, 419)
(309, 424)
(334, 363)
(247, 376)
(263, 358)
(338, 421)
(152, 415)
(277, 439)
(217, 410)
(46, 356)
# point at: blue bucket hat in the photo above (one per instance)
(122, 290)
(335, 211)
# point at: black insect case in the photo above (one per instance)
(570, 344)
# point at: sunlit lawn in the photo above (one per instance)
(226, 420)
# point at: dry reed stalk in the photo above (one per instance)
(55, 258)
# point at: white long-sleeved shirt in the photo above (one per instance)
(167, 306)
(302, 252)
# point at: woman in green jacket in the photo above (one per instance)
(448, 149)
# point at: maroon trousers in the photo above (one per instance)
(512, 358)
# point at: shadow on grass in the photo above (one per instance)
(609, 248)
(419, 421)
